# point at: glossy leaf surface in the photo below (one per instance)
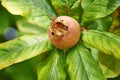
(22, 48)
(67, 7)
(109, 65)
(36, 12)
(82, 65)
(102, 24)
(104, 41)
(27, 28)
(98, 9)
(52, 68)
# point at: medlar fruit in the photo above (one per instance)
(64, 32)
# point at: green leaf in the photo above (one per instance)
(52, 68)
(117, 32)
(117, 78)
(104, 41)
(99, 9)
(23, 70)
(67, 7)
(82, 65)
(28, 28)
(109, 65)
(23, 48)
(4, 20)
(86, 3)
(36, 11)
(95, 52)
(101, 23)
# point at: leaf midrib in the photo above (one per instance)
(22, 48)
(82, 61)
(102, 35)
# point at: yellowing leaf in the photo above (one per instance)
(109, 65)
(22, 48)
(104, 41)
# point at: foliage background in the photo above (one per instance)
(13, 26)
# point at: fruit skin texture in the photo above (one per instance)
(68, 36)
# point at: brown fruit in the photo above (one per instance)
(64, 32)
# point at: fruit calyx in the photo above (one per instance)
(59, 28)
